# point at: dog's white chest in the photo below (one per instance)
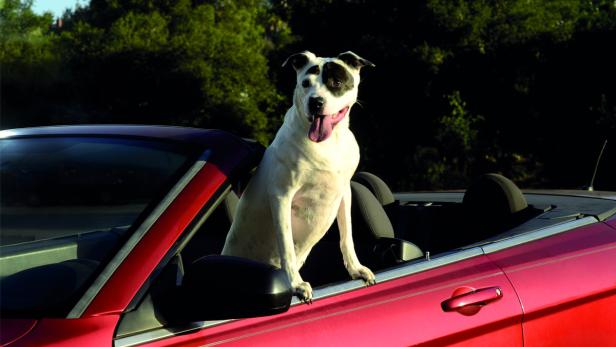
(313, 210)
(316, 195)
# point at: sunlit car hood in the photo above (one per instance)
(12, 330)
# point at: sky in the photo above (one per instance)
(56, 7)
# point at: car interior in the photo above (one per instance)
(65, 264)
(387, 231)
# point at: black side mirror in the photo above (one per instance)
(224, 287)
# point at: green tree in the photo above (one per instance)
(29, 61)
(197, 63)
(181, 62)
(449, 162)
(22, 32)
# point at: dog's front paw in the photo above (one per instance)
(364, 273)
(303, 291)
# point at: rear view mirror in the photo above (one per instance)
(225, 287)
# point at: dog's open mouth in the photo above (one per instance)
(323, 125)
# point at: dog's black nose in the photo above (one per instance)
(315, 105)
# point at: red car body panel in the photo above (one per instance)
(565, 302)
(402, 312)
(83, 332)
(611, 222)
(12, 330)
(138, 266)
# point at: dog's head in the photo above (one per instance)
(326, 89)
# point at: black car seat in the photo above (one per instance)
(373, 232)
(373, 236)
(403, 218)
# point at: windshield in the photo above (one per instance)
(67, 204)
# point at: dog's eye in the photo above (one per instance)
(336, 84)
(305, 83)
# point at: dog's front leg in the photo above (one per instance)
(281, 214)
(351, 262)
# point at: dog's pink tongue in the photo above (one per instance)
(321, 128)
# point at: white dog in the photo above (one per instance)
(303, 181)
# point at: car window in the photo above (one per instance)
(67, 203)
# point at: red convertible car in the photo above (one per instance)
(110, 236)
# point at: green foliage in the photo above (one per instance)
(540, 74)
(458, 129)
(219, 48)
(30, 64)
(25, 43)
(154, 61)
(597, 15)
(456, 147)
(485, 24)
(534, 70)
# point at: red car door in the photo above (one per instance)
(407, 307)
(567, 286)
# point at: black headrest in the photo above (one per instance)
(494, 198)
(377, 186)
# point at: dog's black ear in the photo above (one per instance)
(353, 60)
(297, 60)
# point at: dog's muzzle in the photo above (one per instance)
(315, 105)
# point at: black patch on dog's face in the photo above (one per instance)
(313, 70)
(337, 79)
